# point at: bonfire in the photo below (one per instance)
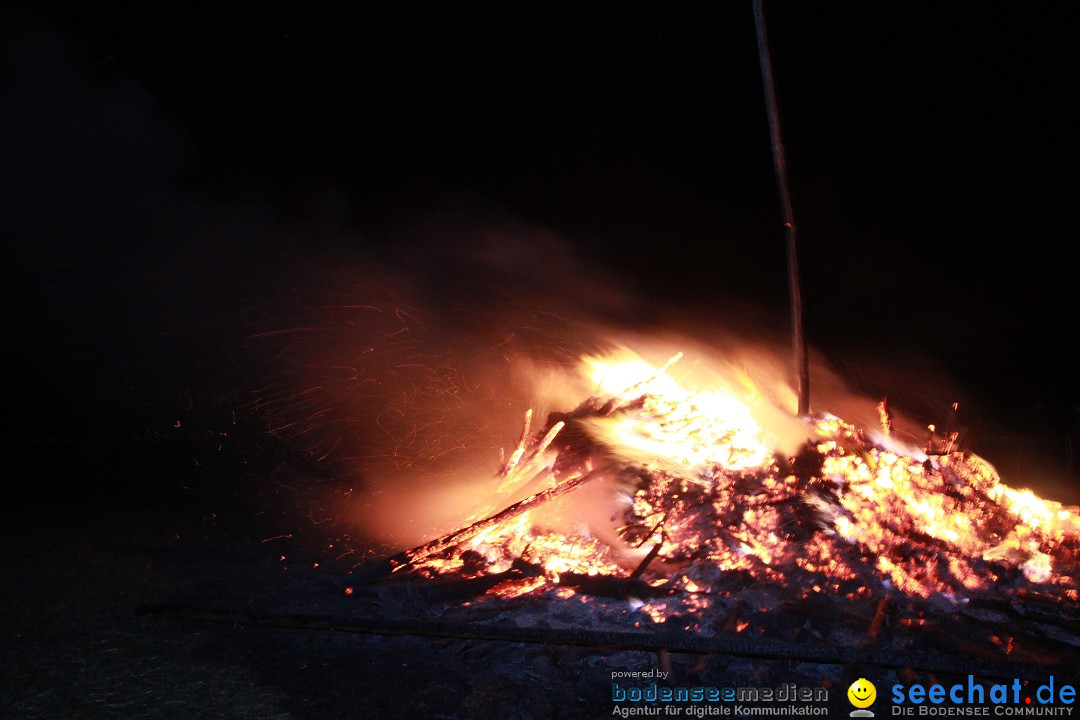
(718, 526)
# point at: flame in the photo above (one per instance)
(685, 431)
(698, 477)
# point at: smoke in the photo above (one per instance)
(395, 358)
(411, 378)
(116, 275)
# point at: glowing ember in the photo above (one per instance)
(700, 487)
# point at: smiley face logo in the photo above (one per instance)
(862, 693)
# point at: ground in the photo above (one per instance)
(77, 646)
(82, 565)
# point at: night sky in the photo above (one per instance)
(931, 151)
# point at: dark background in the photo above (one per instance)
(154, 152)
(181, 178)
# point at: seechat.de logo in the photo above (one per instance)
(1000, 694)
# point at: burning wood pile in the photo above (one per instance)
(853, 536)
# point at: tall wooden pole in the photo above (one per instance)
(802, 361)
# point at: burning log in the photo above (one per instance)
(458, 589)
(644, 564)
(522, 571)
(422, 552)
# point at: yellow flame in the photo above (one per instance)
(887, 515)
(683, 430)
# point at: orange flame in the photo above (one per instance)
(699, 475)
